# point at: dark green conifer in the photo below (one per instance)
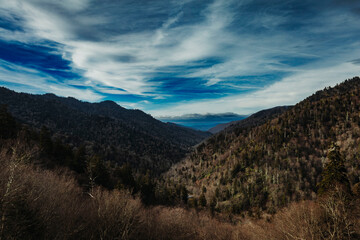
(334, 172)
(184, 194)
(202, 200)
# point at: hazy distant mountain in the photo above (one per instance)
(202, 122)
(253, 120)
(120, 135)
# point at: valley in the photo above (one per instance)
(160, 179)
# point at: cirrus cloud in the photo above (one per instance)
(179, 57)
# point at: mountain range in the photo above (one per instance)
(117, 134)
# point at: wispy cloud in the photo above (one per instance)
(24, 79)
(179, 57)
(289, 91)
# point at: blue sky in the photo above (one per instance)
(179, 57)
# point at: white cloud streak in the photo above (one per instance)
(289, 91)
(102, 61)
(24, 79)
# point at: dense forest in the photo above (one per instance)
(257, 169)
(286, 173)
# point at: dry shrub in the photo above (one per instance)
(214, 230)
(329, 218)
(116, 214)
(58, 203)
(42, 204)
(298, 221)
(38, 204)
(181, 224)
(341, 214)
(167, 223)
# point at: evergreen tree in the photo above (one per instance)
(147, 189)
(125, 176)
(99, 172)
(334, 172)
(79, 160)
(202, 200)
(184, 194)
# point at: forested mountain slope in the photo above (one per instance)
(105, 128)
(265, 167)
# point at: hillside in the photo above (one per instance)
(105, 128)
(263, 168)
(253, 120)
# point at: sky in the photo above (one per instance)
(175, 57)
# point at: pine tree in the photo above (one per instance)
(125, 176)
(147, 189)
(202, 200)
(79, 161)
(184, 194)
(334, 172)
(99, 172)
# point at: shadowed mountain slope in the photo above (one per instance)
(118, 134)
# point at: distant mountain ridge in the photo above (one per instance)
(202, 122)
(120, 135)
(255, 119)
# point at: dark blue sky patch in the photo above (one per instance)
(11, 22)
(205, 63)
(295, 61)
(42, 58)
(187, 88)
(172, 71)
(256, 80)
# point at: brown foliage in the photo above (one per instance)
(327, 219)
(43, 204)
